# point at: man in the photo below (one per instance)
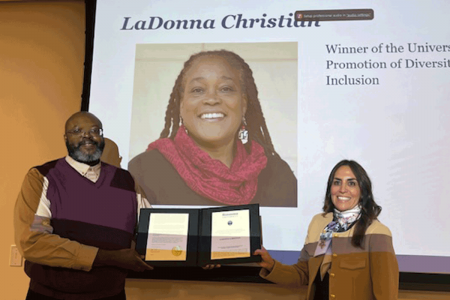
(75, 218)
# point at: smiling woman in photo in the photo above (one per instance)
(215, 148)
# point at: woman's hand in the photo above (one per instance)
(267, 261)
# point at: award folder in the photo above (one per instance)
(198, 237)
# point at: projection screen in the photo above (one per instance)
(362, 80)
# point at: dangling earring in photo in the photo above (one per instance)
(243, 133)
(181, 124)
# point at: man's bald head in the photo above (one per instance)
(78, 117)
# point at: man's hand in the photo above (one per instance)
(267, 261)
(126, 258)
(210, 267)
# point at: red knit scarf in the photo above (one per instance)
(209, 177)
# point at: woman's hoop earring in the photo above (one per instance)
(243, 133)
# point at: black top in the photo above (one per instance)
(277, 185)
(322, 287)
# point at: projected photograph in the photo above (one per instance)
(215, 124)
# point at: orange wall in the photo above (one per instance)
(41, 75)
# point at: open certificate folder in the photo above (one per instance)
(191, 237)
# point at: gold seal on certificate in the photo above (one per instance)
(176, 251)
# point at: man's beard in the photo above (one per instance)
(78, 155)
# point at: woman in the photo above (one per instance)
(215, 148)
(348, 253)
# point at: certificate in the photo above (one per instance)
(230, 234)
(167, 237)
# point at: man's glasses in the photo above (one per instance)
(94, 132)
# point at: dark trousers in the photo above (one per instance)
(35, 296)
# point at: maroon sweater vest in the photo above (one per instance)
(101, 214)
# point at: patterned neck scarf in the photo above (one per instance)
(209, 177)
(342, 221)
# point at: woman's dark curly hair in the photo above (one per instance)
(369, 209)
(256, 124)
